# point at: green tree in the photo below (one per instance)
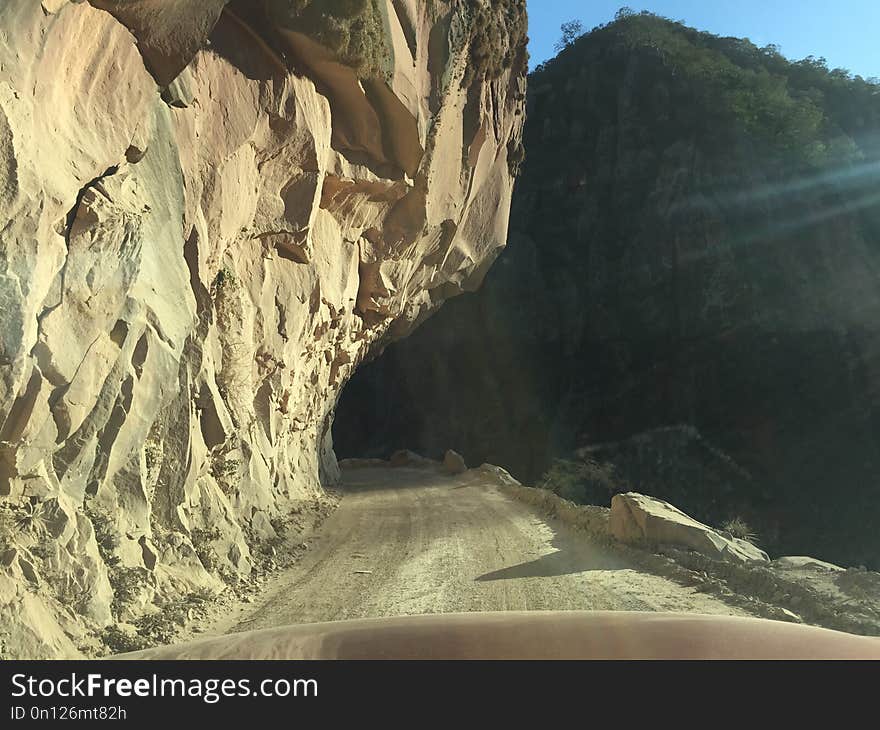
(571, 31)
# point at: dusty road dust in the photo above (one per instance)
(409, 541)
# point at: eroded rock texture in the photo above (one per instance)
(209, 215)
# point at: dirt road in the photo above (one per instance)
(409, 541)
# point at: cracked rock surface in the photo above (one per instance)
(207, 221)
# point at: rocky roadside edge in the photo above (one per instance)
(197, 617)
(766, 591)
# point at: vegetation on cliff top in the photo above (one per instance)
(803, 113)
(353, 29)
(500, 38)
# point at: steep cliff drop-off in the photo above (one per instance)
(692, 272)
(210, 213)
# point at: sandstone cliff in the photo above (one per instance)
(210, 213)
(695, 241)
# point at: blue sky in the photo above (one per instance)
(846, 32)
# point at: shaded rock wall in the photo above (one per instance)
(207, 221)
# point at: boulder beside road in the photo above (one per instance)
(453, 463)
(639, 519)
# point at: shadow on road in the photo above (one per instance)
(570, 557)
(376, 480)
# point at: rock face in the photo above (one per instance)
(803, 562)
(410, 459)
(638, 519)
(209, 216)
(453, 463)
(694, 241)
